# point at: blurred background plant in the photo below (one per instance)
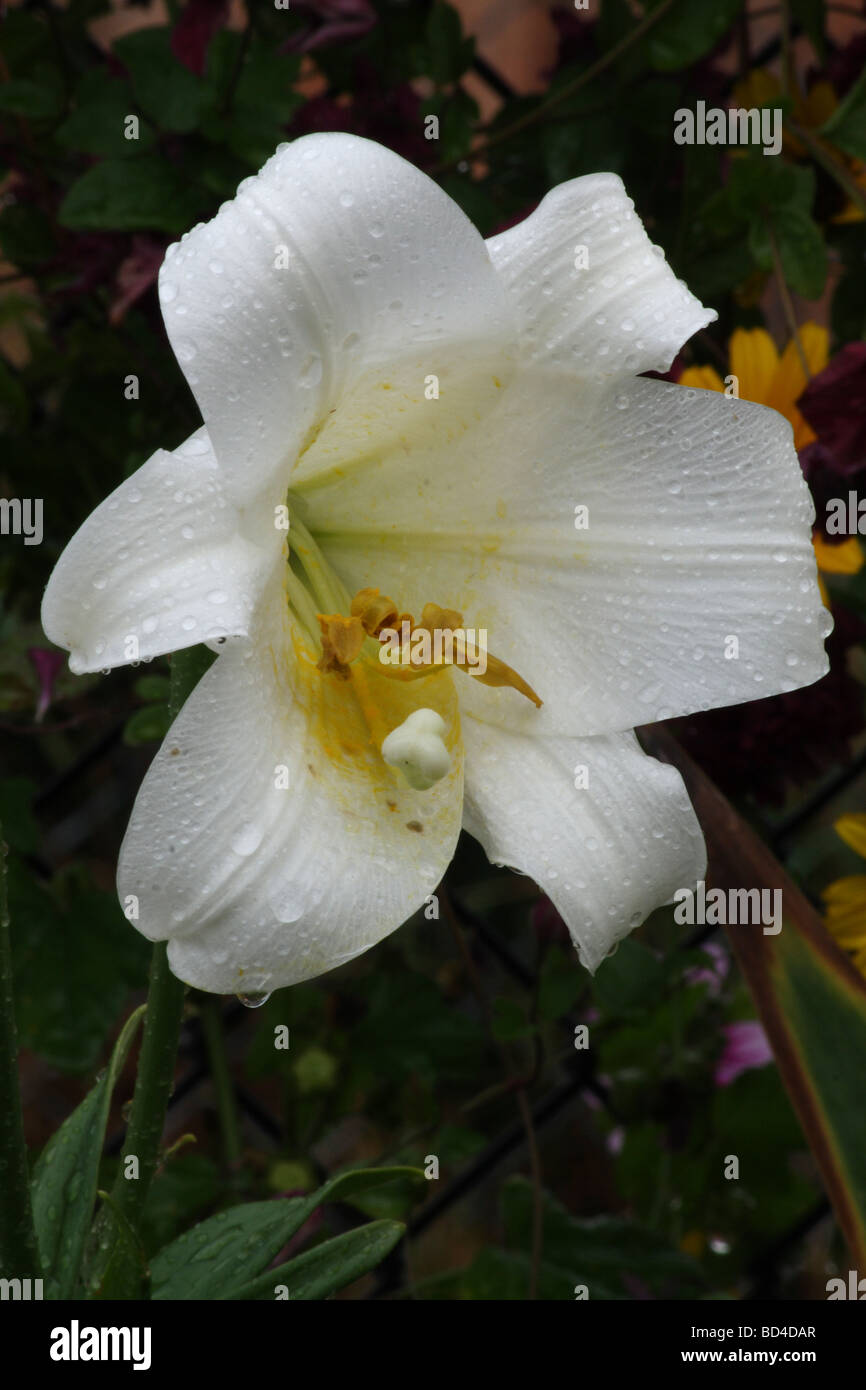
(459, 1038)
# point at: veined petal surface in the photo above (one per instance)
(337, 259)
(592, 293)
(606, 852)
(698, 532)
(164, 562)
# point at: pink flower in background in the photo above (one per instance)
(47, 664)
(746, 1047)
(194, 30)
(714, 973)
(339, 21)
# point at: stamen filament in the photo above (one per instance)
(326, 585)
(303, 605)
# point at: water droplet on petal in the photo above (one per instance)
(311, 372)
(247, 839)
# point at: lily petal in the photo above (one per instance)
(164, 562)
(698, 532)
(336, 259)
(607, 853)
(269, 841)
(594, 296)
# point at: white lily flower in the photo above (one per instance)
(434, 412)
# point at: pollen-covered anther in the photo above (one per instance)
(411, 650)
(374, 610)
(416, 747)
(468, 656)
(342, 640)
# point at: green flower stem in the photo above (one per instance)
(212, 1028)
(165, 998)
(153, 1084)
(19, 1258)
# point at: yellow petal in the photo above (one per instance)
(853, 212)
(754, 361)
(707, 378)
(845, 911)
(844, 558)
(757, 89)
(817, 106)
(791, 379)
(852, 829)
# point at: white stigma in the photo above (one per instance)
(416, 747)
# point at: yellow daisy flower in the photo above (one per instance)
(845, 900)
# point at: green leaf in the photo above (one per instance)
(811, 1000)
(147, 725)
(811, 15)
(584, 145)
(65, 1177)
(846, 127)
(40, 99)
(251, 117)
(410, 1031)
(802, 251)
(773, 201)
(20, 829)
(153, 687)
(185, 1188)
(173, 97)
(630, 980)
(123, 1275)
(14, 405)
(457, 117)
(97, 124)
(509, 1020)
(26, 235)
(602, 1252)
(228, 1251)
(128, 195)
(499, 1276)
(76, 959)
(559, 984)
(331, 1266)
(689, 30)
(447, 54)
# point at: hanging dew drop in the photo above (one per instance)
(253, 1000)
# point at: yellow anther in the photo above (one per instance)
(342, 640)
(498, 673)
(434, 618)
(374, 610)
(375, 615)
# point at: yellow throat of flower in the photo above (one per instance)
(371, 657)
